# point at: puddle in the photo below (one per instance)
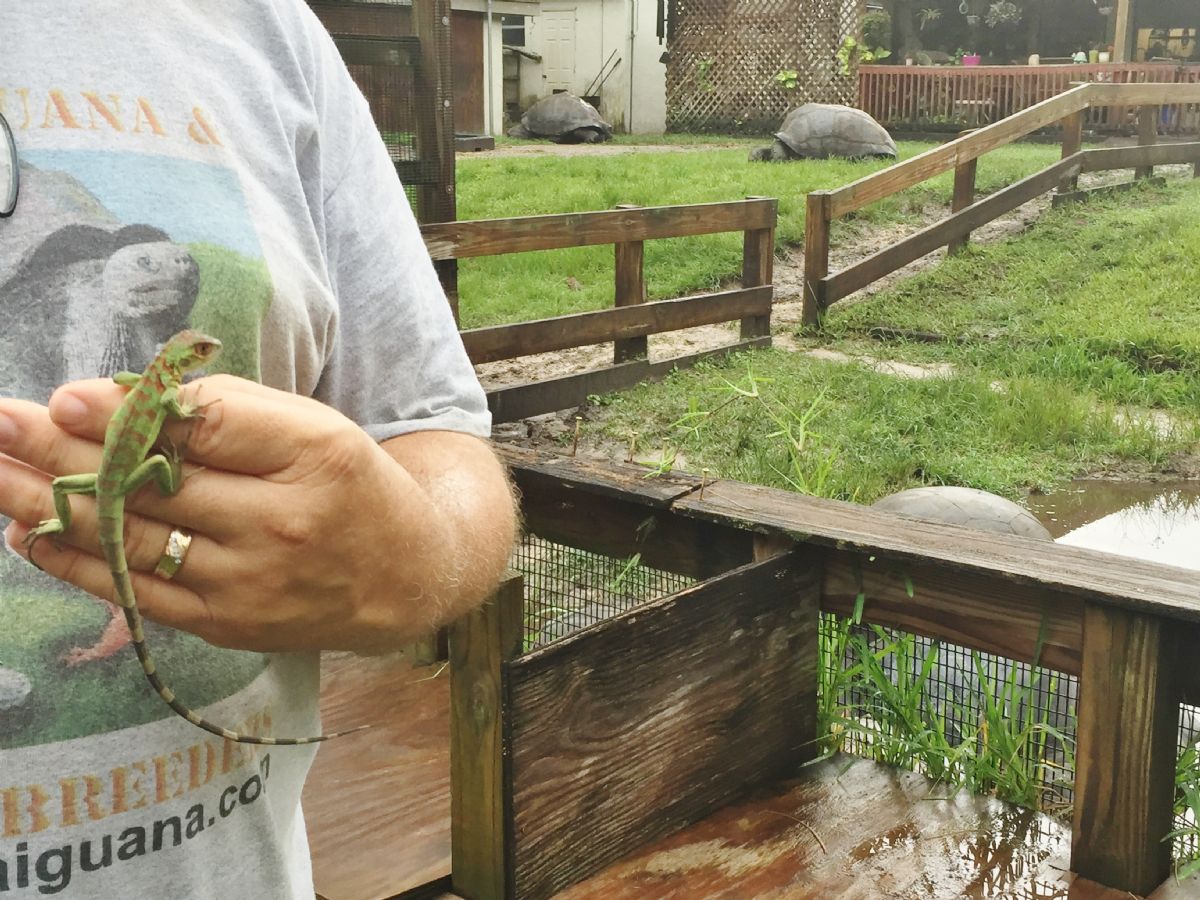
(1159, 522)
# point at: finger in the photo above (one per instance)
(33, 439)
(202, 505)
(244, 427)
(162, 601)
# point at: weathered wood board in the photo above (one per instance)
(377, 804)
(647, 722)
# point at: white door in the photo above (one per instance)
(558, 49)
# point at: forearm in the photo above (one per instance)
(458, 525)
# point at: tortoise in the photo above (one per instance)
(967, 507)
(821, 130)
(564, 119)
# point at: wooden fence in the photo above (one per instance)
(955, 97)
(567, 758)
(821, 288)
(632, 318)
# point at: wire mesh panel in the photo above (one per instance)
(567, 589)
(724, 55)
(957, 715)
(1187, 785)
(406, 83)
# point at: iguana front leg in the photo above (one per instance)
(61, 488)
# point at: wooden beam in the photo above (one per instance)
(1122, 582)
(933, 162)
(927, 240)
(491, 237)
(1101, 160)
(1147, 137)
(433, 81)
(1126, 748)
(817, 220)
(1144, 93)
(480, 787)
(758, 268)
(649, 721)
(964, 196)
(534, 398)
(1072, 143)
(620, 323)
(1123, 32)
(630, 268)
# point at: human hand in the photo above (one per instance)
(306, 533)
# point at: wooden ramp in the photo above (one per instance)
(378, 808)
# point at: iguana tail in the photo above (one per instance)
(128, 603)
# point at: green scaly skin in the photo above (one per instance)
(126, 465)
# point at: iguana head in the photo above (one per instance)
(190, 350)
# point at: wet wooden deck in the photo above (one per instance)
(378, 814)
(378, 806)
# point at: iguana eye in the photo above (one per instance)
(203, 348)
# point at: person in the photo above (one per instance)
(210, 164)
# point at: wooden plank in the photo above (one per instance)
(816, 258)
(620, 481)
(490, 237)
(480, 789)
(853, 829)
(581, 329)
(758, 267)
(1126, 749)
(1147, 137)
(927, 240)
(378, 805)
(1144, 93)
(649, 721)
(521, 401)
(933, 162)
(594, 517)
(1128, 157)
(964, 196)
(1119, 581)
(978, 611)
(1060, 199)
(630, 269)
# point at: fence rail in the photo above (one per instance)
(945, 97)
(632, 319)
(822, 288)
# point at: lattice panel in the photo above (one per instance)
(724, 55)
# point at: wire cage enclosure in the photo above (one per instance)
(958, 716)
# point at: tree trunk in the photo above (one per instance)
(904, 30)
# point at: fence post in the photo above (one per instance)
(816, 257)
(964, 196)
(480, 839)
(758, 269)
(1129, 694)
(631, 289)
(1072, 142)
(1147, 136)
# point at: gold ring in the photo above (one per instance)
(173, 554)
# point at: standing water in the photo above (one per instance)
(1159, 522)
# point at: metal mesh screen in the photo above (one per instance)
(723, 56)
(954, 714)
(1187, 785)
(407, 88)
(567, 589)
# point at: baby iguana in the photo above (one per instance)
(126, 464)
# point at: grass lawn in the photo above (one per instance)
(1071, 325)
(524, 286)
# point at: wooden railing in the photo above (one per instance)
(821, 288)
(571, 756)
(632, 319)
(955, 97)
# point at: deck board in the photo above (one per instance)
(851, 828)
(378, 804)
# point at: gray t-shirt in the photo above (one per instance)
(205, 163)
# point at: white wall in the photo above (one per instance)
(576, 37)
